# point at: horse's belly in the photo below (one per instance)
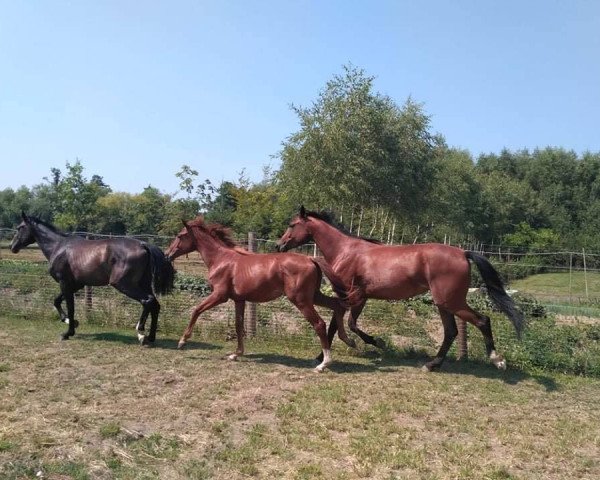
(393, 292)
(257, 293)
(95, 279)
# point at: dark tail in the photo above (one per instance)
(348, 296)
(163, 272)
(496, 290)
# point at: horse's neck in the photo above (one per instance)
(211, 251)
(47, 240)
(332, 243)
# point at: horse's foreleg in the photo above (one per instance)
(58, 305)
(209, 302)
(353, 318)
(239, 330)
(450, 332)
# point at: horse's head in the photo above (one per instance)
(182, 244)
(24, 235)
(296, 234)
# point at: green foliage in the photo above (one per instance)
(375, 163)
(356, 147)
(563, 348)
(532, 239)
(192, 283)
(76, 198)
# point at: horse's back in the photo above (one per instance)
(402, 271)
(106, 261)
(264, 276)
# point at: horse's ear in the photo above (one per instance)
(24, 216)
(186, 224)
(302, 211)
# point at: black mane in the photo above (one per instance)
(49, 226)
(329, 218)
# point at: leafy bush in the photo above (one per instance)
(564, 348)
(192, 283)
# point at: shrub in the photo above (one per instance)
(192, 283)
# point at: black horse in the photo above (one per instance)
(137, 269)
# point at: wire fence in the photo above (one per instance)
(26, 289)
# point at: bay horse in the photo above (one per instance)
(369, 269)
(237, 274)
(136, 269)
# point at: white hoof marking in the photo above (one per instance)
(233, 357)
(501, 365)
(141, 337)
(66, 320)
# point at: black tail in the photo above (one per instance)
(496, 290)
(163, 272)
(348, 297)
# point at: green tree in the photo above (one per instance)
(76, 198)
(356, 148)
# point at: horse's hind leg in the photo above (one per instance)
(337, 318)
(450, 332)
(154, 311)
(149, 304)
(483, 323)
(318, 324)
(240, 307)
(70, 319)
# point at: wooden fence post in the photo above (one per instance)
(251, 312)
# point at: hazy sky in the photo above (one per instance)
(136, 89)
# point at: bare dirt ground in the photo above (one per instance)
(100, 407)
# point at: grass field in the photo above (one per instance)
(563, 292)
(101, 407)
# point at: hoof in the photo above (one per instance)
(500, 365)
(319, 369)
(430, 367)
(351, 343)
(64, 336)
(233, 357)
(380, 343)
(180, 345)
(498, 360)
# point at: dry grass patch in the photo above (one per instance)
(100, 407)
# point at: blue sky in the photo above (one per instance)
(137, 89)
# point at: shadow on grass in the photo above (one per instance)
(166, 344)
(473, 367)
(338, 366)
